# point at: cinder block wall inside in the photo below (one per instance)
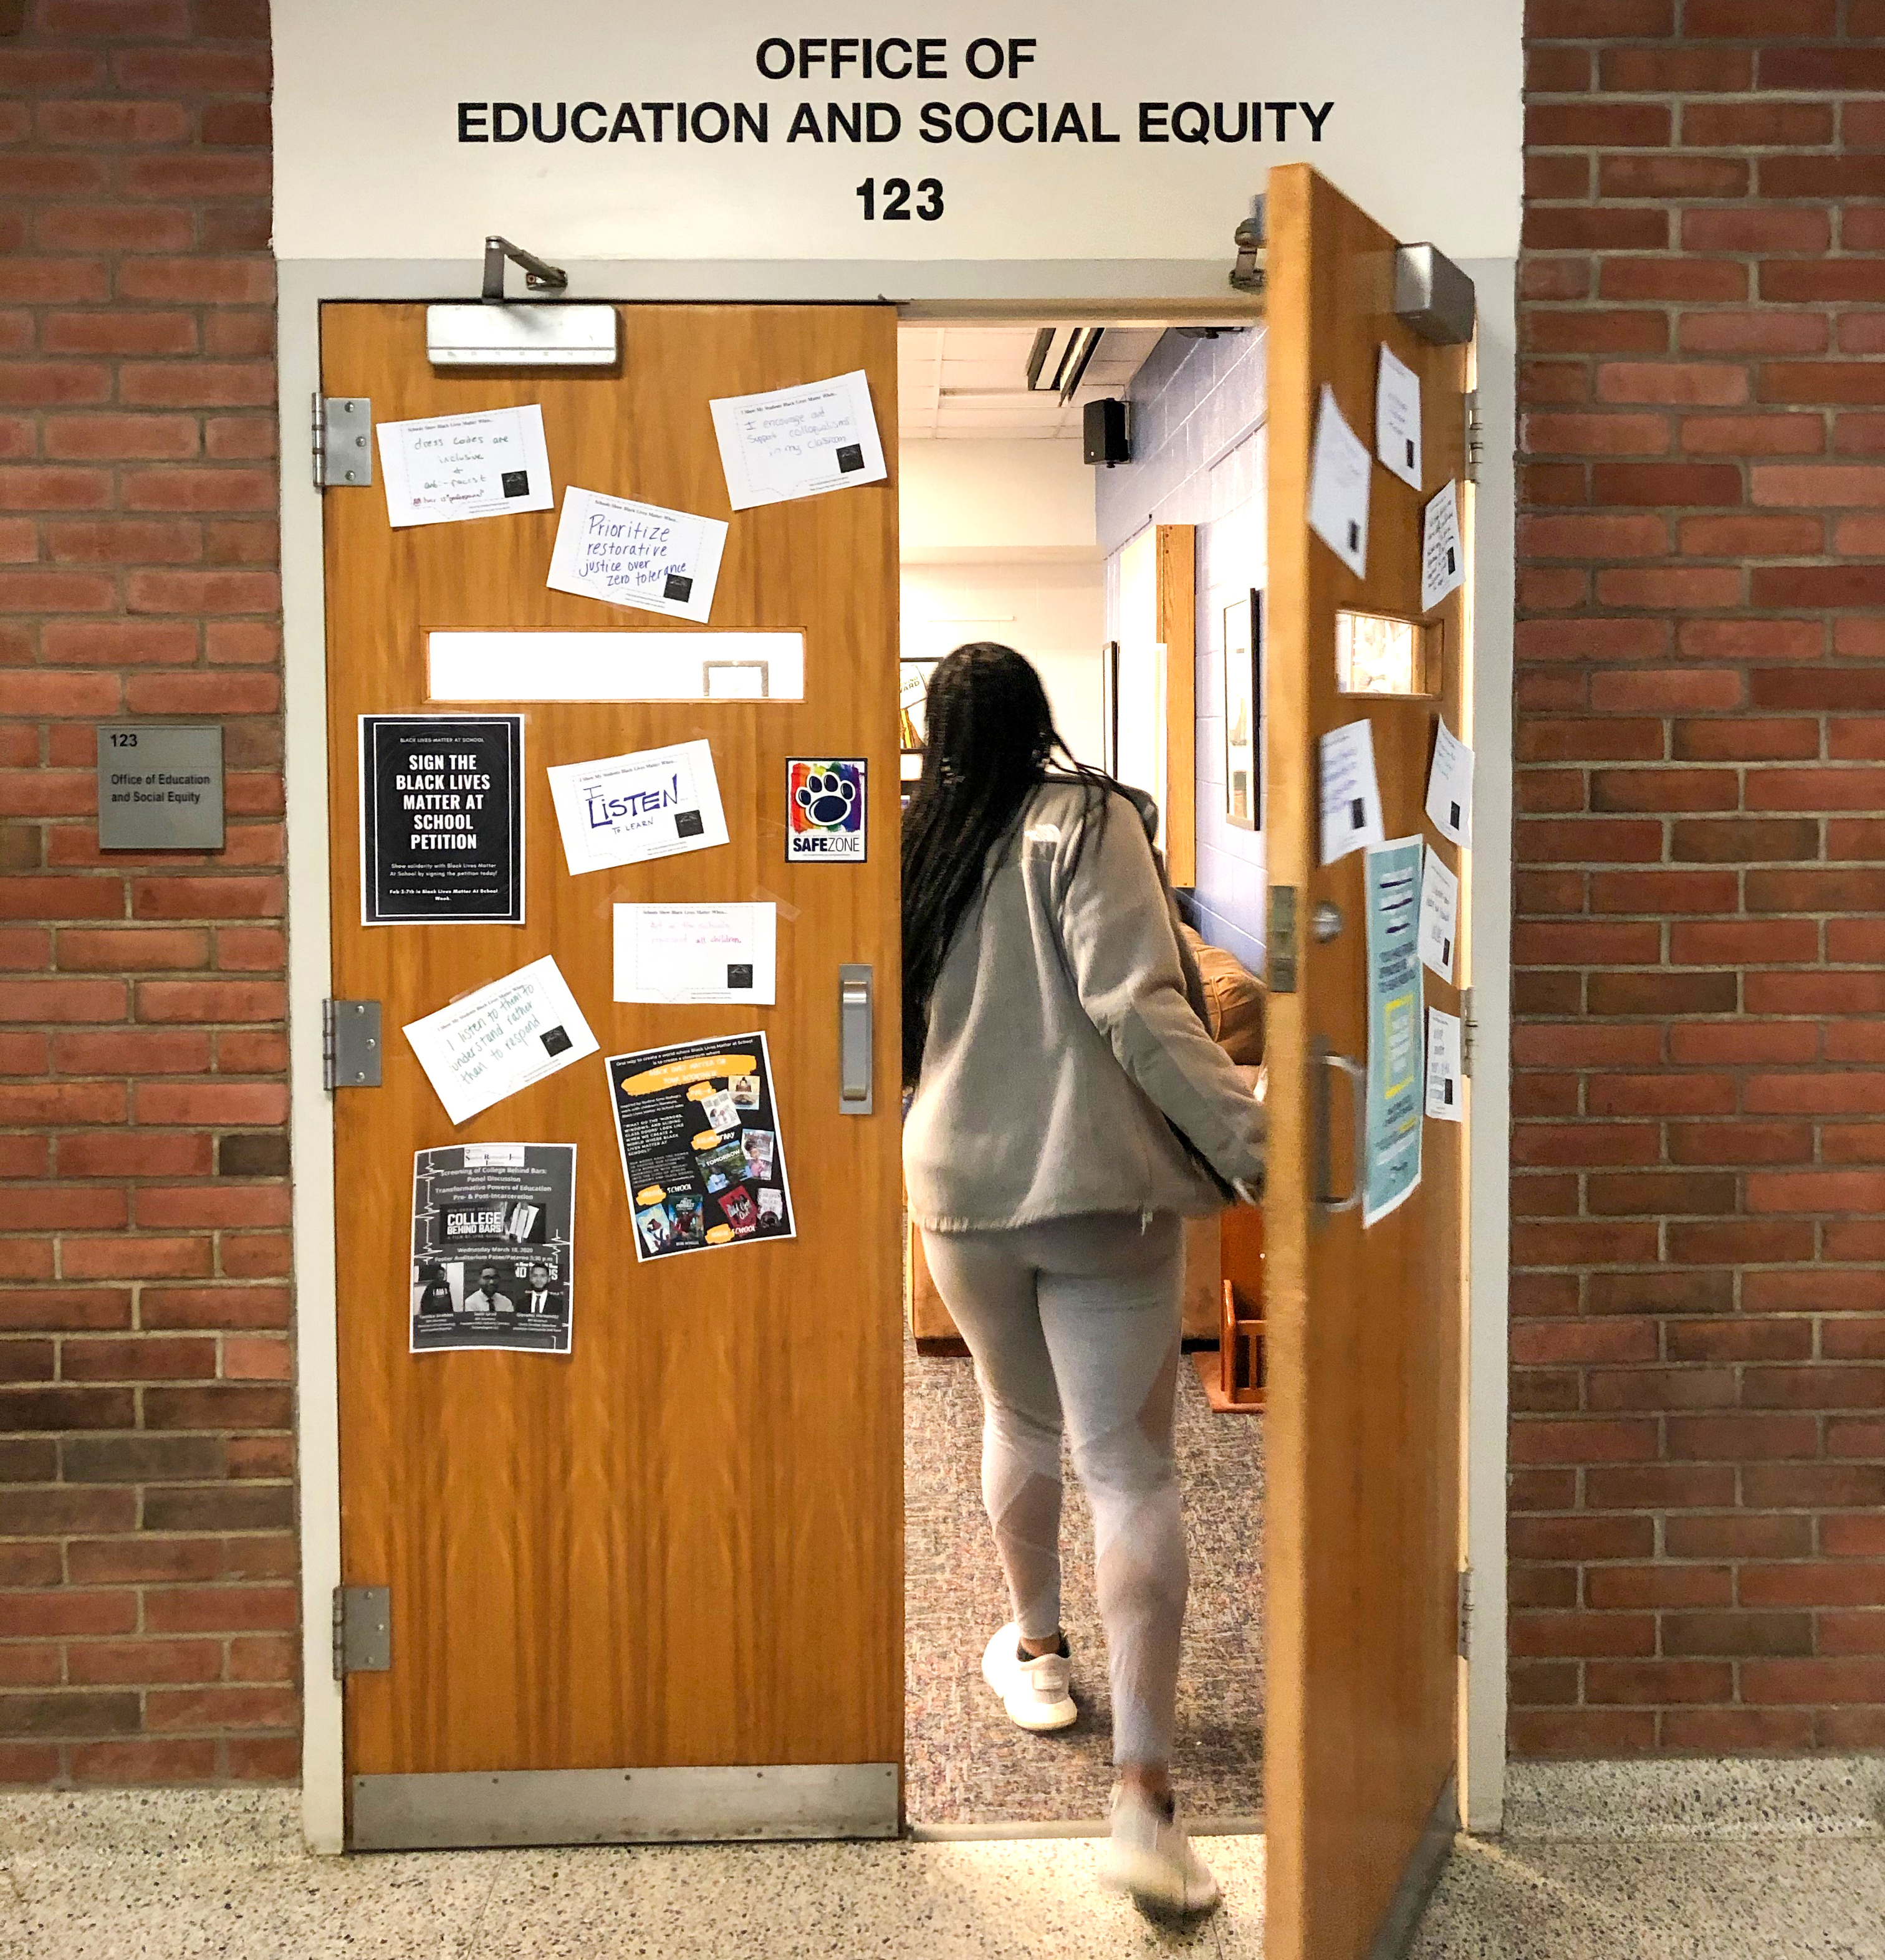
(1699, 1338)
(147, 1502)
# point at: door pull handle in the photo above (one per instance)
(1327, 1204)
(856, 991)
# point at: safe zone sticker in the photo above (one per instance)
(825, 810)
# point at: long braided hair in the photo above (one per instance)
(989, 738)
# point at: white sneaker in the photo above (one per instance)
(1149, 1856)
(1037, 1693)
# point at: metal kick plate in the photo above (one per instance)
(622, 1806)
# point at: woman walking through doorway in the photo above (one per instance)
(1068, 1110)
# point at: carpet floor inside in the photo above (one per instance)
(967, 1763)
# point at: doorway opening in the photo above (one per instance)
(1135, 590)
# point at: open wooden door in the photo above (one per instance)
(1364, 1324)
(650, 1587)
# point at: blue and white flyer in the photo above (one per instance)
(629, 809)
(1396, 1026)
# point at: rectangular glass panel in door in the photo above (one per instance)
(679, 1547)
(1362, 1530)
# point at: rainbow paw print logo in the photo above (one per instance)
(825, 810)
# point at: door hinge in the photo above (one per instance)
(1474, 434)
(1468, 1028)
(350, 1044)
(1279, 949)
(343, 440)
(363, 1630)
(1465, 1603)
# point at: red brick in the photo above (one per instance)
(1582, 1732)
(1740, 1143)
(1658, 1682)
(220, 1307)
(136, 1258)
(1679, 70)
(233, 1609)
(1687, 383)
(1597, 126)
(129, 949)
(255, 1254)
(1820, 382)
(204, 1001)
(1813, 1680)
(1597, 228)
(1679, 588)
(1752, 435)
(1597, 435)
(1670, 278)
(1752, 537)
(144, 1762)
(208, 1103)
(1689, 484)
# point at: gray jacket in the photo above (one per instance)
(1062, 1051)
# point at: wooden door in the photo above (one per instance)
(678, 1548)
(1364, 1325)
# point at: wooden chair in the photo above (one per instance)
(1236, 1377)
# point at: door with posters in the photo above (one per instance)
(613, 751)
(1365, 1286)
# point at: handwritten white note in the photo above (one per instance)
(1442, 561)
(1397, 416)
(445, 469)
(628, 809)
(1442, 1066)
(1338, 486)
(1450, 787)
(637, 554)
(1351, 793)
(1439, 915)
(500, 1037)
(696, 952)
(798, 442)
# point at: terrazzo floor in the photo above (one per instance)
(967, 1762)
(1656, 1866)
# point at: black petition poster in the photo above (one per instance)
(493, 1246)
(701, 1153)
(441, 818)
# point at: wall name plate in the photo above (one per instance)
(159, 786)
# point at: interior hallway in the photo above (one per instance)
(1670, 1861)
(967, 1762)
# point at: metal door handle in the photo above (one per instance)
(1326, 1202)
(856, 988)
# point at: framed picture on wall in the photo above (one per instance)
(913, 688)
(1243, 712)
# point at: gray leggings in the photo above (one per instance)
(1082, 1316)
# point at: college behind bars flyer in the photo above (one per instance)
(441, 819)
(701, 1151)
(493, 1246)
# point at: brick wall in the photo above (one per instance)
(147, 1550)
(1698, 1331)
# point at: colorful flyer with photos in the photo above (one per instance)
(701, 1156)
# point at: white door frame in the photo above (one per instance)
(1157, 290)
